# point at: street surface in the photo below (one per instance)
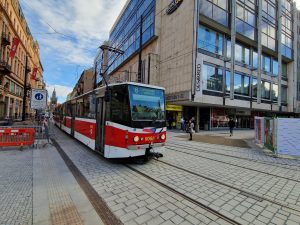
(194, 183)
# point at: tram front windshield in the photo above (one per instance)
(146, 104)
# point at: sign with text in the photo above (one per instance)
(38, 99)
(173, 6)
(198, 76)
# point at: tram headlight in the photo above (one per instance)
(136, 138)
(163, 137)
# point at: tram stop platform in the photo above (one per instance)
(38, 188)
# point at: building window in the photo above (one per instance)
(265, 89)
(227, 85)
(216, 10)
(246, 21)
(275, 92)
(275, 67)
(255, 59)
(254, 87)
(210, 40)
(212, 78)
(266, 63)
(269, 24)
(284, 70)
(242, 54)
(283, 94)
(241, 84)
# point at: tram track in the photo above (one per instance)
(231, 164)
(199, 204)
(197, 149)
(242, 192)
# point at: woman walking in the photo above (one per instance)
(191, 128)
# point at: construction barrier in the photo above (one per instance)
(10, 137)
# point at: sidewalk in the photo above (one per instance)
(36, 187)
(240, 138)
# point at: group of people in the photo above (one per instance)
(190, 126)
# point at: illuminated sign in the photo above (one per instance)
(173, 6)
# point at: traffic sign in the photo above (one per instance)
(38, 99)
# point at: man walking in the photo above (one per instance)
(231, 125)
(182, 123)
(191, 128)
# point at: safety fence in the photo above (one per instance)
(25, 135)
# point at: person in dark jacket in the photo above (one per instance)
(231, 125)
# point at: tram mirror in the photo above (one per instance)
(107, 96)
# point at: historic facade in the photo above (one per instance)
(25, 61)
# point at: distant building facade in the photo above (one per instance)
(13, 25)
(216, 59)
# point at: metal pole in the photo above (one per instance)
(140, 51)
(25, 90)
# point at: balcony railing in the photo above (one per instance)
(5, 39)
(5, 69)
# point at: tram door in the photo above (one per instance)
(73, 112)
(100, 125)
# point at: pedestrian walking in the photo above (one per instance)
(182, 123)
(46, 128)
(191, 128)
(231, 125)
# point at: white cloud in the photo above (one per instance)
(61, 91)
(87, 23)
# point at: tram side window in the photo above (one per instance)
(120, 106)
(69, 109)
(89, 106)
(79, 108)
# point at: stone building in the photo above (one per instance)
(216, 59)
(13, 25)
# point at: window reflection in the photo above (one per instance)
(212, 78)
(210, 40)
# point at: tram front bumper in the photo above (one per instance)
(153, 146)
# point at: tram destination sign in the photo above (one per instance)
(38, 99)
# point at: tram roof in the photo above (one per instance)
(118, 84)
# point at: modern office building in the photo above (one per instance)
(216, 59)
(14, 28)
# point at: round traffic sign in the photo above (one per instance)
(39, 96)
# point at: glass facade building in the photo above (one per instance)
(128, 33)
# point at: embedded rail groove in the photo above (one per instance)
(97, 202)
(243, 192)
(207, 208)
(231, 164)
(282, 165)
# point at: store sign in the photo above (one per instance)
(177, 108)
(198, 76)
(173, 6)
(38, 99)
(178, 96)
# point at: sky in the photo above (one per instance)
(69, 33)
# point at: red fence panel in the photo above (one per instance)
(10, 137)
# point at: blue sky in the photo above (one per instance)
(69, 33)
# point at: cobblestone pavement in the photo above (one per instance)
(15, 187)
(234, 187)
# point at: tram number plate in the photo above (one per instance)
(151, 138)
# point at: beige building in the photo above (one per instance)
(85, 83)
(216, 59)
(12, 70)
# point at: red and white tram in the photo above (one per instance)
(118, 121)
